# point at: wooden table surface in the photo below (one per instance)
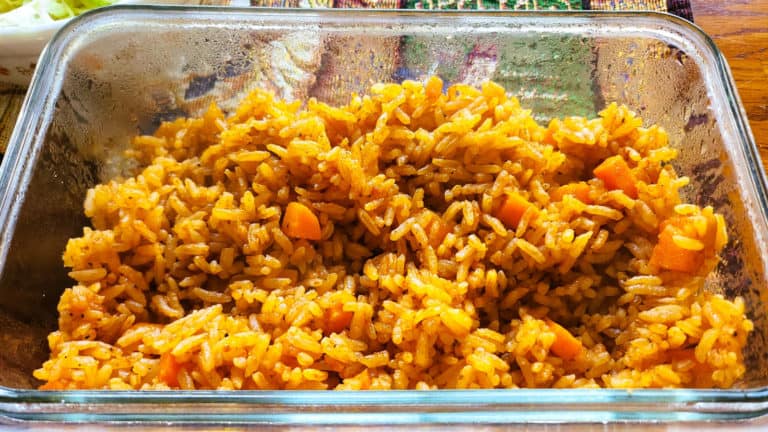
(740, 30)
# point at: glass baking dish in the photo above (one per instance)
(120, 71)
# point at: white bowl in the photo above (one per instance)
(20, 47)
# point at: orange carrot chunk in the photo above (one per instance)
(566, 346)
(337, 319)
(579, 190)
(616, 174)
(669, 256)
(300, 222)
(169, 370)
(512, 210)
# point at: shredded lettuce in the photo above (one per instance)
(16, 13)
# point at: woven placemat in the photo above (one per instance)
(503, 57)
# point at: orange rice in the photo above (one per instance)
(460, 245)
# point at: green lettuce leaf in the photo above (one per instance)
(27, 12)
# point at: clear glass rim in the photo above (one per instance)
(385, 407)
(360, 407)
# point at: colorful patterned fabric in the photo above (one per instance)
(628, 4)
(494, 4)
(678, 7)
(681, 8)
(374, 4)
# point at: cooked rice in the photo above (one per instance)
(187, 279)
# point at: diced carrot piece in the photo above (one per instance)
(580, 190)
(331, 363)
(434, 87)
(685, 226)
(566, 346)
(337, 319)
(668, 255)
(616, 174)
(512, 210)
(300, 222)
(169, 370)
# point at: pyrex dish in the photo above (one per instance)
(114, 73)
